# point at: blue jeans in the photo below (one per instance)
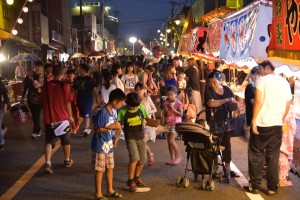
(1, 133)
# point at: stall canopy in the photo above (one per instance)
(285, 35)
(245, 36)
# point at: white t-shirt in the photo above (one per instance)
(276, 92)
(105, 92)
(130, 82)
(118, 83)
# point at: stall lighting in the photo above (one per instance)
(2, 57)
(30, 0)
(10, 2)
(20, 21)
(25, 9)
(177, 21)
(162, 43)
(14, 32)
(168, 44)
(158, 31)
(161, 38)
(168, 30)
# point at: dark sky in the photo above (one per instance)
(139, 17)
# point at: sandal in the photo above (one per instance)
(150, 159)
(116, 195)
(285, 183)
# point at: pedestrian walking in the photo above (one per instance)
(4, 102)
(56, 98)
(86, 91)
(106, 125)
(32, 85)
(132, 116)
(106, 87)
(130, 78)
(271, 104)
(173, 115)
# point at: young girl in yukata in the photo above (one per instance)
(286, 149)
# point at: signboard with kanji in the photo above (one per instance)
(285, 29)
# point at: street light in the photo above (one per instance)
(10, 2)
(132, 40)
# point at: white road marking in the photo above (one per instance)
(25, 178)
(243, 181)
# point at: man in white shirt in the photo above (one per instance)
(20, 71)
(271, 104)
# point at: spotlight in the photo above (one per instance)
(20, 21)
(25, 9)
(14, 32)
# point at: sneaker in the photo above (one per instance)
(68, 163)
(39, 134)
(48, 169)
(86, 132)
(131, 184)
(4, 130)
(249, 189)
(33, 135)
(1, 147)
(139, 182)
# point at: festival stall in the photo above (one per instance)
(284, 53)
(244, 40)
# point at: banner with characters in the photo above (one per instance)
(193, 42)
(245, 34)
(213, 38)
(285, 29)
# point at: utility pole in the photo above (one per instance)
(116, 13)
(81, 27)
(102, 23)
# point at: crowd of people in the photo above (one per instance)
(117, 96)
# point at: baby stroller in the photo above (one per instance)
(203, 148)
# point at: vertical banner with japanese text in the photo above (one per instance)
(36, 23)
(285, 29)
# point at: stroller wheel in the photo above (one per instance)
(211, 185)
(186, 182)
(203, 183)
(221, 176)
(179, 181)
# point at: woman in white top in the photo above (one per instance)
(150, 132)
(129, 79)
(106, 87)
(116, 72)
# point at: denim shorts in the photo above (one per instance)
(137, 151)
(169, 128)
(85, 109)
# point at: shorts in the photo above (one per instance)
(51, 137)
(137, 151)
(169, 128)
(85, 109)
(101, 161)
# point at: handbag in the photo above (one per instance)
(152, 122)
(190, 111)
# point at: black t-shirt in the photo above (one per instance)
(84, 87)
(193, 78)
(221, 114)
(249, 94)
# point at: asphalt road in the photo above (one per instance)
(23, 156)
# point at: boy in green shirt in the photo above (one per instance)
(132, 116)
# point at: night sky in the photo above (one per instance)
(139, 18)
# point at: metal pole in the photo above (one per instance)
(102, 23)
(133, 48)
(81, 27)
